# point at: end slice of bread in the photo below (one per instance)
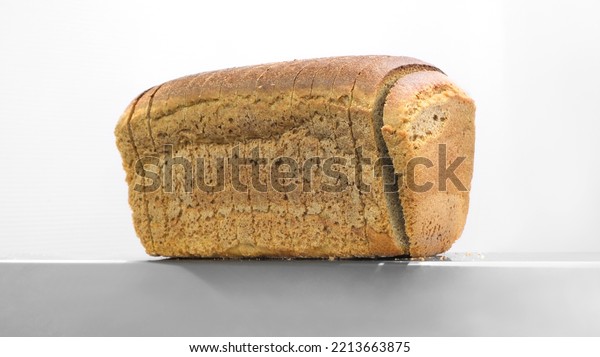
(429, 131)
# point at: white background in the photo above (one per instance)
(68, 69)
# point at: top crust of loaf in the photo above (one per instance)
(278, 78)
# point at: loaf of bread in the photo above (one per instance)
(359, 156)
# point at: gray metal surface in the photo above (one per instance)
(466, 295)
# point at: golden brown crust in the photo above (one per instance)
(137, 199)
(299, 109)
(427, 119)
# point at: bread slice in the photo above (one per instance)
(300, 159)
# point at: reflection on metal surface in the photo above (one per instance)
(499, 295)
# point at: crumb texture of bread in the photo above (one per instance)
(222, 125)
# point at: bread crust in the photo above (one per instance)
(301, 109)
(427, 117)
